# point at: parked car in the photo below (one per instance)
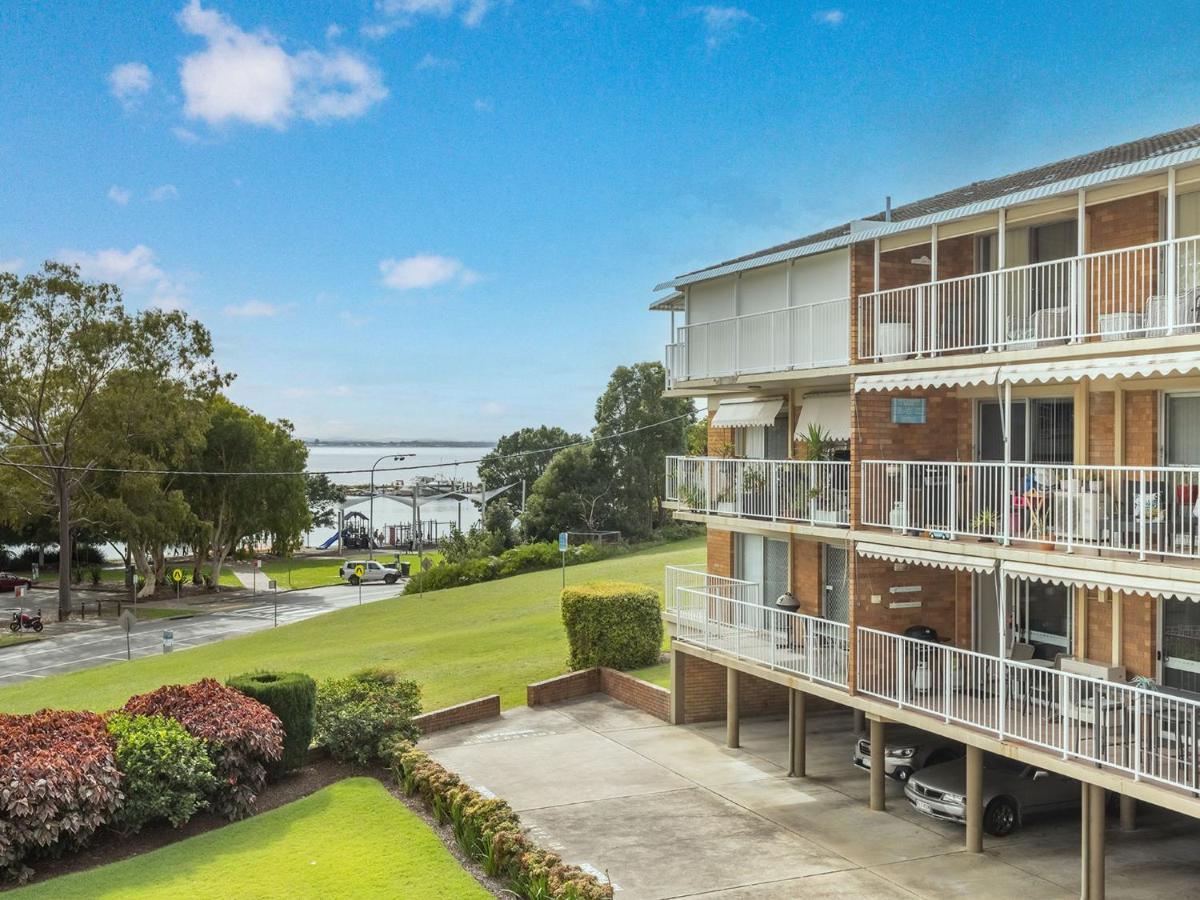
(908, 749)
(9, 581)
(1012, 790)
(371, 571)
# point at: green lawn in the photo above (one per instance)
(351, 839)
(459, 643)
(8, 639)
(117, 576)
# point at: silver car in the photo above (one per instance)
(1011, 791)
(907, 750)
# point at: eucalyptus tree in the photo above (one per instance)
(62, 343)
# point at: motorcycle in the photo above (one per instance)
(26, 621)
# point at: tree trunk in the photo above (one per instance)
(63, 491)
(146, 571)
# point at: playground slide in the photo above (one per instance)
(329, 543)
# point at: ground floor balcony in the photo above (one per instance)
(812, 336)
(1125, 511)
(1152, 290)
(1076, 710)
(782, 490)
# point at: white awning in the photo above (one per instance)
(935, 558)
(1149, 365)
(747, 413)
(830, 411)
(929, 378)
(1125, 584)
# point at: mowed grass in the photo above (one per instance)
(459, 644)
(316, 571)
(352, 839)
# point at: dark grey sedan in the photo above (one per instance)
(1011, 791)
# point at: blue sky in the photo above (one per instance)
(442, 218)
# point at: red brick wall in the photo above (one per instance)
(704, 692)
(639, 694)
(862, 274)
(720, 440)
(462, 714)
(1100, 428)
(720, 552)
(564, 687)
(945, 597)
(1139, 635)
(806, 575)
(1141, 428)
(1130, 222)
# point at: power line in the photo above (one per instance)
(459, 462)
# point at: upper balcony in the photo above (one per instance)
(1147, 291)
(812, 336)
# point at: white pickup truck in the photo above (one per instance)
(371, 571)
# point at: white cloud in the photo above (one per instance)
(185, 134)
(405, 13)
(119, 195)
(164, 192)
(129, 82)
(430, 61)
(136, 271)
(829, 16)
(721, 22)
(493, 409)
(425, 271)
(251, 309)
(484, 106)
(249, 77)
(352, 320)
(333, 31)
(14, 265)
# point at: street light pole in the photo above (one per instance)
(371, 510)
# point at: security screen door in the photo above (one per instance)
(835, 581)
(1181, 644)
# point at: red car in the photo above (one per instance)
(9, 581)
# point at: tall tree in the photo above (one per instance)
(523, 456)
(575, 493)
(63, 340)
(634, 402)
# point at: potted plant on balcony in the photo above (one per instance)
(984, 524)
(691, 497)
(754, 490)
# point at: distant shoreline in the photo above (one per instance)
(420, 443)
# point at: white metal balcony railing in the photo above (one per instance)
(1139, 731)
(728, 615)
(1145, 291)
(786, 490)
(1142, 510)
(798, 337)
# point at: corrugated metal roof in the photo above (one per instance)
(1110, 164)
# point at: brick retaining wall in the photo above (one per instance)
(629, 690)
(462, 714)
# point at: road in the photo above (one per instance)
(106, 644)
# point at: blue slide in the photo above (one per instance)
(329, 543)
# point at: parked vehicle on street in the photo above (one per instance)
(908, 749)
(10, 582)
(372, 570)
(24, 621)
(1012, 790)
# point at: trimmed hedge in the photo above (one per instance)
(292, 696)
(166, 773)
(243, 736)
(612, 623)
(490, 832)
(359, 717)
(58, 784)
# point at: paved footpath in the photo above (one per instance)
(102, 645)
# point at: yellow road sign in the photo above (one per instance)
(177, 576)
(359, 571)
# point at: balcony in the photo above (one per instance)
(1147, 291)
(799, 337)
(1141, 732)
(778, 490)
(1122, 510)
(727, 615)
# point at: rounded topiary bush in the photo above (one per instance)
(612, 623)
(292, 696)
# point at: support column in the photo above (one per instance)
(974, 800)
(797, 733)
(678, 688)
(878, 770)
(1095, 882)
(732, 722)
(1128, 813)
(860, 722)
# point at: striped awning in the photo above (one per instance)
(747, 413)
(929, 378)
(1088, 578)
(936, 558)
(830, 411)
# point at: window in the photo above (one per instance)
(991, 431)
(1183, 429)
(1043, 431)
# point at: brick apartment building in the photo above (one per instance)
(979, 414)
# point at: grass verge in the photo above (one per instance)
(351, 839)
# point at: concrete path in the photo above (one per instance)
(106, 644)
(670, 812)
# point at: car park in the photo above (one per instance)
(371, 571)
(907, 751)
(1012, 790)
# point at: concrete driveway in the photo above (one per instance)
(670, 812)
